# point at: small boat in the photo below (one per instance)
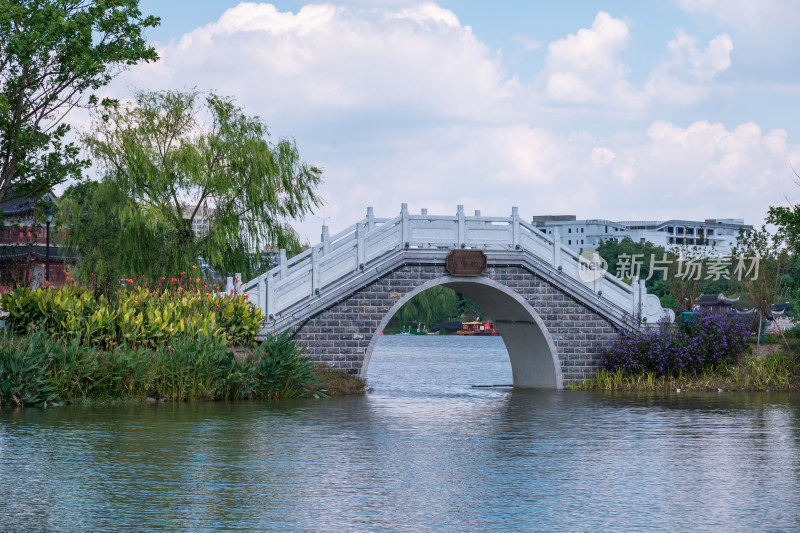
(485, 329)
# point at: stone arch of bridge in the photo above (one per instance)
(531, 350)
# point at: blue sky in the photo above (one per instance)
(620, 110)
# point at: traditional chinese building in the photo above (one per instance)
(23, 244)
(716, 302)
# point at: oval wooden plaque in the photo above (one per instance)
(466, 262)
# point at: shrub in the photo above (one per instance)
(713, 341)
(136, 317)
(283, 370)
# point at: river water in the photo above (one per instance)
(424, 451)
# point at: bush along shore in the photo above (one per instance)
(714, 352)
(65, 344)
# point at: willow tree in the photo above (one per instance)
(436, 304)
(113, 238)
(174, 153)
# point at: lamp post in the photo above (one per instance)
(49, 219)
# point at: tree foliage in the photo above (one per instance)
(434, 306)
(769, 284)
(113, 238)
(428, 307)
(53, 54)
(686, 276)
(169, 164)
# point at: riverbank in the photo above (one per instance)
(758, 370)
(37, 369)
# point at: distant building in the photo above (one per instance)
(23, 244)
(201, 223)
(716, 302)
(717, 234)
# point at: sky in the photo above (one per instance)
(623, 110)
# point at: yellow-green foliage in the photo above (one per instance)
(136, 317)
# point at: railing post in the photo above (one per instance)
(326, 240)
(370, 219)
(262, 296)
(270, 296)
(282, 264)
(515, 228)
(359, 248)
(237, 283)
(635, 296)
(461, 230)
(404, 230)
(424, 212)
(642, 297)
(477, 212)
(315, 285)
(229, 287)
(556, 248)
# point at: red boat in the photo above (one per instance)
(478, 328)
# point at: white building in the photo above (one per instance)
(717, 235)
(201, 223)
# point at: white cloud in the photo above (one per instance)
(682, 78)
(699, 171)
(602, 156)
(753, 15)
(406, 104)
(528, 44)
(586, 67)
(336, 58)
(765, 32)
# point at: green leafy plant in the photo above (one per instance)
(23, 372)
(283, 370)
(136, 317)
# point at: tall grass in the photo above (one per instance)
(37, 369)
(778, 372)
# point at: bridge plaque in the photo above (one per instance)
(467, 263)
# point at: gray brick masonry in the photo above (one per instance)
(340, 336)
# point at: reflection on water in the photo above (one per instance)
(424, 451)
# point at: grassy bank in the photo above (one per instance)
(37, 369)
(173, 342)
(778, 371)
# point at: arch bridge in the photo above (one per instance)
(551, 306)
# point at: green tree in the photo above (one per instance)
(788, 221)
(685, 278)
(170, 164)
(437, 304)
(769, 259)
(53, 55)
(113, 238)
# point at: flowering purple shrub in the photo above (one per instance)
(711, 340)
